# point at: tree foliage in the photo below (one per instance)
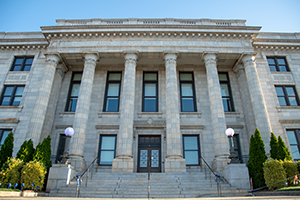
(43, 152)
(11, 171)
(274, 146)
(26, 151)
(257, 157)
(273, 173)
(283, 151)
(33, 172)
(7, 149)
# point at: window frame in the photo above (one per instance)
(61, 146)
(194, 92)
(13, 95)
(277, 65)
(229, 91)
(100, 149)
(198, 150)
(156, 85)
(297, 136)
(70, 91)
(106, 90)
(238, 147)
(286, 97)
(23, 65)
(1, 135)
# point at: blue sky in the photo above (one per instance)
(29, 15)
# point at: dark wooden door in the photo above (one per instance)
(149, 155)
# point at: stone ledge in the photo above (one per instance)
(25, 193)
(10, 121)
(100, 114)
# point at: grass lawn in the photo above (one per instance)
(292, 188)
(9, 190)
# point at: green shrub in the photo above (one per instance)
(26, 151)
(257, 157)
(43, 152)
(283, 151)
(7, 149)
(274, 172)
(33, 172)
(274, 146)
(298, 164)
(10, 172)
(291, 170)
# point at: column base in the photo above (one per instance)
(123, 164)
(77, 162)
(220, 162)
(175, 164)
(237, 175)
(59, 176)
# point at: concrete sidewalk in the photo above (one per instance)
(206, 198)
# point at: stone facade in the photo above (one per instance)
(201, 47)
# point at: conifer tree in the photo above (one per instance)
(43, 152)
(7, 149)
(26, 151)
(283, 151)
(257, 157)
(274, 146)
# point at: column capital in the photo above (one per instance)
(91, 57)
(53, 58)
(131, 56)
(248, 58)
(210, 57)
(239, 68)
(170, 56)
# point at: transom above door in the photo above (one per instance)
(149, 154)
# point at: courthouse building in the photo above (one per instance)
(163, 90)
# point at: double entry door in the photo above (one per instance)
(149, 154)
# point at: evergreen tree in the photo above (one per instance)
(26, 151)
(43, 152)
(283, 151)
(257, 157)
(274, 146)
(7, 149)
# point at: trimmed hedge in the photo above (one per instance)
(291, 170)
(274, 172)
(33, 172)
(10, 172)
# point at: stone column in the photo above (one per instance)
(82, 112)
(124, 159)
(217, 113)
(247, 107)
(174, 161)
(39, 112)
(261, 116)
(50, 115)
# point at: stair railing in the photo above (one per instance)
(86, 171)
(218, 177)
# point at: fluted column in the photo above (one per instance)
(217, 113)
(124, 159)
(261, 116)
(82, 112)
(174, 161)
(40, 108)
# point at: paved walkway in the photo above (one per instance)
(207, 198)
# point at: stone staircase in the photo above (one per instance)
(135, 185)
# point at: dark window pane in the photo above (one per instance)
(28, 61)
(224, 90)
(187, 89)
(187, 105)
(17, 68)
(16, 101)
(72, 104)
(271, 61)
(279, 91)
(150, 89)
(106, 157)
(112, 104)
(292, 137)
(150, 77)
(281, 61)
(150, 105)
(295, 152)
(282, 68)
(191, 143)
(108, 143)
(290, 91)
(19, 61)
(113, 89)
(27, 68)
(8, 91)
(293, 101)
(282, 101)
(5, 101)
(114, 77)
(77, 77)
(19, 91)
(191, 157)
(75, 89)
(186, 76)
(226, 104)
(273, 68)
(222, 77)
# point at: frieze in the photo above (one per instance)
(115, 127)
(10, 121)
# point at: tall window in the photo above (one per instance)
(277, 64)
(112, 93)
(73, 92)
(294, 139)
(226, 92)
(150, 92)
(22, 64)
(107, 149)
(64, 145)
(287, 96)
(3, 135)
(237, 148)
(187, 92)
(12, 95)
(191, 149)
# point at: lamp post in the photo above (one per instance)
(230, 132)
(69, 132)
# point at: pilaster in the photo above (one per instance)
(174, 161)
(124, 159)
(82, 112)
(217, 113)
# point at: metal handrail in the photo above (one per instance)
(79, 176)
(218, 177)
